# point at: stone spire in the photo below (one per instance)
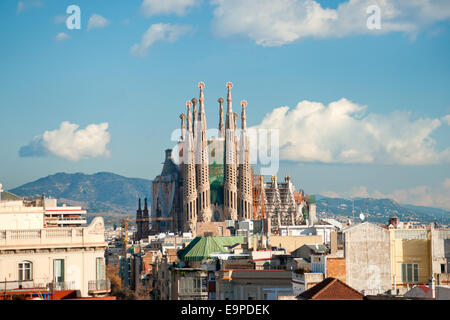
(221, 124)
(183, 127)
(189, 116)
(194, 116)
(181, 142)
(243, 116)
(145, 221)
(230, 179)
(189, 185)
(245, 174)
(275, 202)
(139, 221)
(202, 163)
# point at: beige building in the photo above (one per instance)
(58, 258)
(291, 243)
(367, 258)
(410, 257)
(17, 213)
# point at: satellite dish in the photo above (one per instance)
(362, 217)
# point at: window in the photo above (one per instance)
(443, 268)
(410, 272)
(58, 270)
(25, 271)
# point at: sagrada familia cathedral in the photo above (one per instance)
(208, 180)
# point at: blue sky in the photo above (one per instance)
(395, 79)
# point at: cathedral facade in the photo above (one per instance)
(210, 179)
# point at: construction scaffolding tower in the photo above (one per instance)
(259, 199)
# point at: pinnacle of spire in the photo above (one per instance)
(221, 125)
(243, 116)
(183, 127)
(139, 204)
(145, 204)
(229, 86)
(229, 105)
(201, 85)
(189, 124)
(194, 103)
(194, 115)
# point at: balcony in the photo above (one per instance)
(99, 287)
(31, 285)
(59, 286)
(92, 235)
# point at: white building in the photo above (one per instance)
(17, 213)
(324, 230)
(64, 258)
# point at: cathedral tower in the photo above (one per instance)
(230, 179)
(189, 185)
(245, 175)
(202, 163)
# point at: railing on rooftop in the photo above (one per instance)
(49, 237)
(99, 285)
(66, 285)
(21, 285)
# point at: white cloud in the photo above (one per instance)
(274, 23)
(28, 4)
(155, 7)
(359, 192)
(330, 194)
(343, 132)
(158, 32)
(97, 21)
(62, 36)
(447, 119)
(70, 143)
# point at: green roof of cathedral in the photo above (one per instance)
(200, 248)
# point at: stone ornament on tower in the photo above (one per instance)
(194, 115)
(201, 85)
(243, 116)
(221, 123)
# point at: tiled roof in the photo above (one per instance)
(331, 289)
(201, 247)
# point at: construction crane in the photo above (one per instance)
(124, 235)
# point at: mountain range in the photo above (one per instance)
(114, 196)
(103, 193)
(379, 210)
